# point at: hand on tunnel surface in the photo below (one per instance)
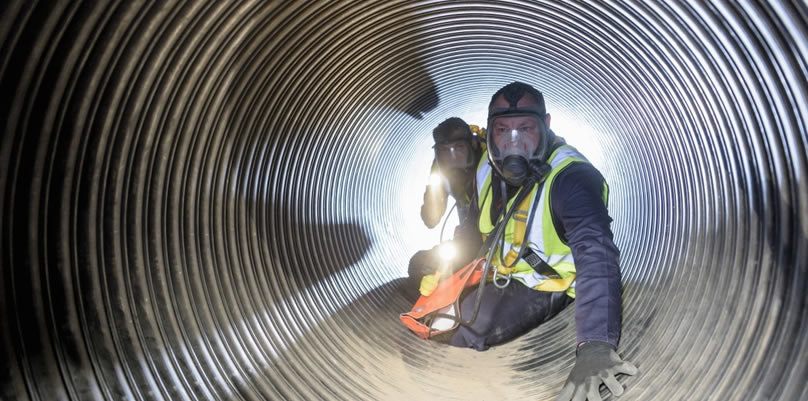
(597, 362)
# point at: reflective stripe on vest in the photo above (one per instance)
(543, 238)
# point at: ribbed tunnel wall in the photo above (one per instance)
(218, 200)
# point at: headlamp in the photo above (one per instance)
(447, 251)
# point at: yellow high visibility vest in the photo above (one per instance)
(544, 239)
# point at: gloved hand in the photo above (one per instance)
(596, 362)
(429, 283)
(434, 205)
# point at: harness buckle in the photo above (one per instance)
(497, 276)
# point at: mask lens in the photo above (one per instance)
(514, 136)
(453, 154)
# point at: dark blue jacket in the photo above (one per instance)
(582, 220)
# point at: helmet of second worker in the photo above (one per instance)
(454, 145)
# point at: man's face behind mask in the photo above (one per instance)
(516, 136)
(455, 154)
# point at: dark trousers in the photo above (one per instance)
(505, 313)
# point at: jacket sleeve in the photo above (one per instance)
(581, 217)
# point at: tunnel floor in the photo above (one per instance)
(218, 200)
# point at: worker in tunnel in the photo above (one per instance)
(542, 209)
(458, 149)
(556, 244)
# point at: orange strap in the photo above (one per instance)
(447, 293)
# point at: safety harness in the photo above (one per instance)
(439, 312)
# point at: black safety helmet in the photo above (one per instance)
(454, 144)
(512, 93)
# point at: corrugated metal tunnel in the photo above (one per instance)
(218, 200)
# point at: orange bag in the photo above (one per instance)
(445, 299)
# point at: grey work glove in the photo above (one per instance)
(597, 362)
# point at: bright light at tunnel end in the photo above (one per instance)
(579, 134)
